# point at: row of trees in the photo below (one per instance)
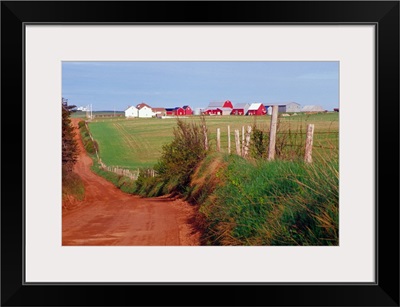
(69, 144)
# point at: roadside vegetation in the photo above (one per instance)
(72, 185)
(123, 183)
(178, 161)
(266, 203)
(89, 144)
(249, 201)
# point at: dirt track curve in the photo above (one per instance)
(108, 216)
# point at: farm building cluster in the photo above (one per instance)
(220, 108)
(144, 110)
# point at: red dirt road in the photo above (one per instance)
(108, 216)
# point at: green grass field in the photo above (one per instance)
(137, 143)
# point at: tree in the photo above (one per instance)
(69, 144)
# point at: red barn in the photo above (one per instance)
(170, 111)
(225, 104)
(179, 111)
(225, 108)
(257, 109)
(188, 110)
(228, 104)
(240, 109)
(213, 111)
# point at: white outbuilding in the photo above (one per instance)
(284, 107)
(131, 112)
(145, 111)
(312, 109)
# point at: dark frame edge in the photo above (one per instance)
(387, 87)
(11, 286)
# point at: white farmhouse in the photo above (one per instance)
(131, 112)
(145, 111)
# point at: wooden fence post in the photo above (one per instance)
(309, 143)
(205, 137)
(272, 133)
(237, 142)
(229, 140)
(218, 139)
(242, 140)
(247, 145)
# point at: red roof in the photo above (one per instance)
(141, 105)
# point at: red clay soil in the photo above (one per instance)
(108, 216)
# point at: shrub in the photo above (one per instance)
(180, 157)
(259, 143)
(69, 148)
(81, 124)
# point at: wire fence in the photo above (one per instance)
(254, 142)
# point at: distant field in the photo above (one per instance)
(83, 114)
(136, 143)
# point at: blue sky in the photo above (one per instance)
(117, 85)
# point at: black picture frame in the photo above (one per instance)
(383, 14)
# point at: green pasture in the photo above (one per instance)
(136, 143)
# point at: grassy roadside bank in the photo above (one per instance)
(249, 201)
(267, 203)
(243, 201)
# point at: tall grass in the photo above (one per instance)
(273, 203)
(72, 186)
